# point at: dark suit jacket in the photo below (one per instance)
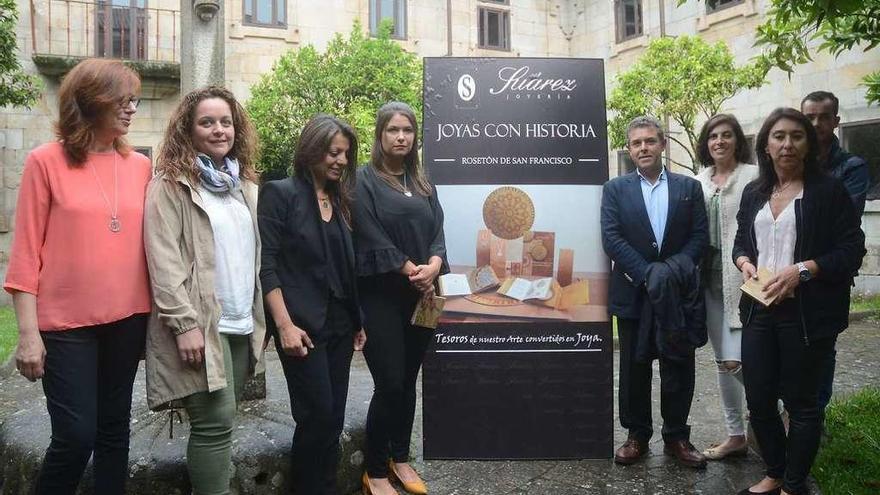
(629, 240)
(293, 255)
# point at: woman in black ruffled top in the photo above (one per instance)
(400, 251)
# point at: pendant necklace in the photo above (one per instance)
(778, 190)
(325, 201)
(115, 225)
(406, 191)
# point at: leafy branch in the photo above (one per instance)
(682, 78)
(16, 87)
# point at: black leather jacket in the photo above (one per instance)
(828, 233)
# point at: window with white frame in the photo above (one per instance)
(494, 28)
(716, 5)
(625, 164)
(750, 146)
(121, 29)
(628, 19)
(388, 9)
(269, 13)
(860, 138)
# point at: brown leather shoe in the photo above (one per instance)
(685, 453)
(631, 451)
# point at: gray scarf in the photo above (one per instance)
(222, 179)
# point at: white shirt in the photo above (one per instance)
(776, 238)
(235, 251)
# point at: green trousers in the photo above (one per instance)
(212, 418)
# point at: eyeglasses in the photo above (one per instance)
(131, 100)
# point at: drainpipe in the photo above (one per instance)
(665, 117)
(448, 28)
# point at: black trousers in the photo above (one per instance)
(318, 388)
(778, 361)
(88, 380)
(394, 353)
(826, 387)
(634, 394)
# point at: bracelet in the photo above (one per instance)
(182, 330)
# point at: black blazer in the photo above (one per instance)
(293, 253)
(828, 233)
(629, 240)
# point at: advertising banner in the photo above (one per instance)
(521, 363)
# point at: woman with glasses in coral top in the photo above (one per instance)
(78, 276)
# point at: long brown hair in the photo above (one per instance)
(411, 163)
(312, 148)
(177, 154)
(90, 93)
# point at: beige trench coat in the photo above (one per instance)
(180, 255)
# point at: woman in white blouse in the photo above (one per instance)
(723, 150)
(799, 224)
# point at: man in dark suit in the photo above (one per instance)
(648, 216)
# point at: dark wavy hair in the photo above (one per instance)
(767, 178)
(741, 152)
(311, 148)
(90, 94)
(411, 163)
(177, 155)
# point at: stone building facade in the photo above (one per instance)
(54, 34)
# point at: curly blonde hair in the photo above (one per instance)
(177, 154)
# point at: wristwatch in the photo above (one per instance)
(804, 272)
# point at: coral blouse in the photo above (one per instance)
(63, 250)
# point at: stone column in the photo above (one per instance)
(202, 42)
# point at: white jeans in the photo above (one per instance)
(727, 344)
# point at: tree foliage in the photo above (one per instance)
(839, 25)
(351, 80)
(682, 78)
(16, 88)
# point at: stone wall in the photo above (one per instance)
(868, 281)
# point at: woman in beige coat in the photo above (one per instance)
(723, 149)
(203, 252)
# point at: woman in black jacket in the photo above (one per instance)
(801, 225)
(310, 288)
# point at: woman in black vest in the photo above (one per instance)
(308, 278)
(400, 252)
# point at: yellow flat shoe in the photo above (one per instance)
(414, 487)
(365, 485)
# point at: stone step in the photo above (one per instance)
(157, 465)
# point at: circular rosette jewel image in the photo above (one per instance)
(508, 212)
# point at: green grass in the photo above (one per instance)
(849, 461)
(8, 332)
(865, 303)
